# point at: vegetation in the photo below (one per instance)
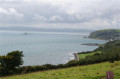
(110, 51)
(106, 34)
(83, 55)
(10, 62)
(109, 45)
(95, 71)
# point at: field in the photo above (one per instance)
(95, 71)
(84, 55)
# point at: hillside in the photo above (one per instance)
(95, 71)
(108, 52)
(84, 55)
(106, 34)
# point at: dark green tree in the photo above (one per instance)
(10, 62)
(16, 59)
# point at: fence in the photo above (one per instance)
(109, 75)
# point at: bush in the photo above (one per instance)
(71, 63)
(9, 62)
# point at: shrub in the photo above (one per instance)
(9, 62)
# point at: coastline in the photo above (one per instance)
(91, 44)
(95, 38)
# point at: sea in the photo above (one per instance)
(41, 48)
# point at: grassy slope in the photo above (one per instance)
(117, 30)
(84, 55)
(103, 30)
(96, 71)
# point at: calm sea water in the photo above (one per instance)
(45, 48)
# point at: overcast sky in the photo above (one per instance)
(77, 14)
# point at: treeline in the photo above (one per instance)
(110, 52)
(107, 34)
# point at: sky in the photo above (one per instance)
(60, 14)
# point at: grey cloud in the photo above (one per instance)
(77, 13)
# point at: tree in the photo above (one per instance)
(10, 62)
(113, 54)
(16, 59)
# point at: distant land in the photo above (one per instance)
(106, 34)
(43, 29)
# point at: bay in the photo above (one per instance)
(45, 47)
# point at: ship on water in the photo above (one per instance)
(26, 33)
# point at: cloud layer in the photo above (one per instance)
(85, 14)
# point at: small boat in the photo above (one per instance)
(25, 33)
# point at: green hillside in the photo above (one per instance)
(89, 54)
(109, 51)
(106, 34)
(95, 71)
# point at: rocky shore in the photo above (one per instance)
(76, 57)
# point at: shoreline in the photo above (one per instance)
(95, 38)
(91, 44)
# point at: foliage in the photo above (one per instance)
(109, 52)
(9, 62)
(108, 45)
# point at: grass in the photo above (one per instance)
(95, 71)
(84, 55)
(118, 30)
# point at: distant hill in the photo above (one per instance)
(18, 28)
(106, 34)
